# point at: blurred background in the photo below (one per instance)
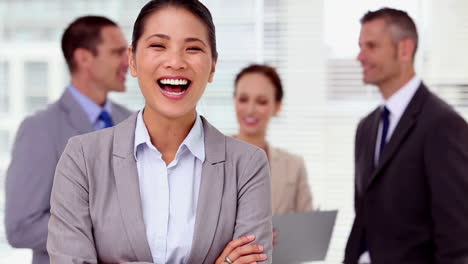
(313, 43)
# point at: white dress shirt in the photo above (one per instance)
(396, 105)
(169, 194)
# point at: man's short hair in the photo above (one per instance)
(400, 24)
(84, 32)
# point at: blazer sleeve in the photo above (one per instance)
(254, 203)
(28, 184)
(303, 195)
(446, 158)
(70, 238)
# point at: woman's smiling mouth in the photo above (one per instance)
(174, 87)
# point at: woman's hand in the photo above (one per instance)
(275, 237)
(239, 252)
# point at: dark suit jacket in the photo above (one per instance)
(413, 206)
(40, 141)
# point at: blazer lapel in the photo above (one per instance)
(210, 193)
(370, 149)
(403, 129)
(76, 115)
(128, 190)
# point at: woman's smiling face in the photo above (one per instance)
(173, 62)
(255, 103)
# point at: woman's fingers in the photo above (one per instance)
(236, 243)
(252, 258)
(244, 251)
(275, 237)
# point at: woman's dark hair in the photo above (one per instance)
(193, 6)
(268, 72)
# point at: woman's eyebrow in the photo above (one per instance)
(164, 36)
(159, 35)
(193, 39)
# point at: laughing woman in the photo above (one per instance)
(164, 186)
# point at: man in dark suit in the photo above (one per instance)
(411, 158)
(95, 51)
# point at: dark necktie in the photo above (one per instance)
(106, 119)
(385, 124)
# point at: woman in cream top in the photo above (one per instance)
(258, 96)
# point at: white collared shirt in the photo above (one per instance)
(396, 105)
(169, 194)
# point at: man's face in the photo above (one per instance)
(378, 53)
(110, 65)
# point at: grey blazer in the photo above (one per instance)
(96, 212)
(39, 143)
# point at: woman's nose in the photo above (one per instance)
(175, 60)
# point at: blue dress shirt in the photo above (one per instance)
(91, 109)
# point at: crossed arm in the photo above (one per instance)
(71, 221)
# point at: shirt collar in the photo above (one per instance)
(91, 109)
(194, 142)
(141, 134)
(398, 102)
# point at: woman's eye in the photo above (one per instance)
(243, 100)
(159, 46)
(194, 49)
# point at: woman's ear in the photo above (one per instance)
(278, 106)
(213, 69)
(131, 61)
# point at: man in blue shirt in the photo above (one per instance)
(95, 50)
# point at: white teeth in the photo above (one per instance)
(250, 119)
(174, 93)
(174, 81)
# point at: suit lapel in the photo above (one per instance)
(210, 194)
(78, 118)
(403, 129)
(370, 148)
(76, 115)
(128, 190)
